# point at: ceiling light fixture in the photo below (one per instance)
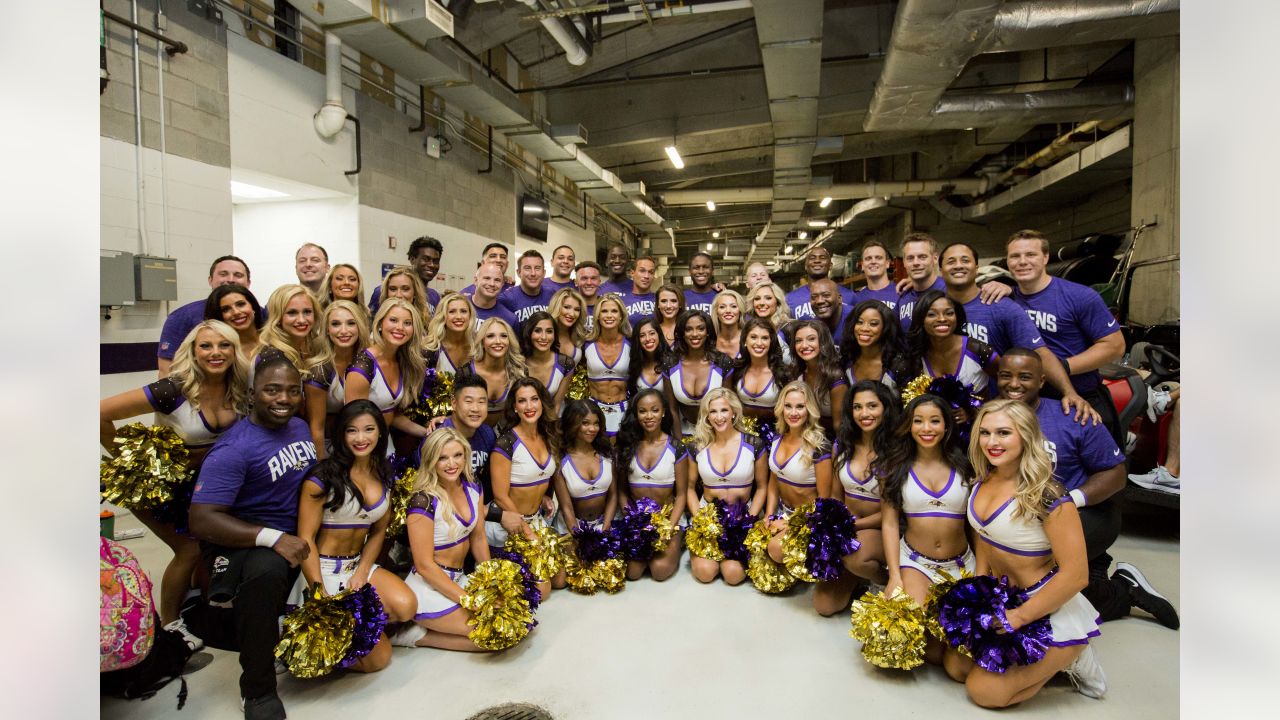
(711, 205)
(711, 246)
(715, 233)
(787, 250)
(817, 223)
(253, 192)
(675, 157)
(804, 235)
(825, 202)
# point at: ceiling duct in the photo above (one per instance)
(961, 111)
(1040, 24)
(843, 191)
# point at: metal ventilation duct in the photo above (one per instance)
(1040, 24)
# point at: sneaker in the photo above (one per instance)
(1086, 674)
(1144, 596)
(1160, 480)
(280, 667)
(408, 636)
(1158, 402)
(180, 626)
(265, 707)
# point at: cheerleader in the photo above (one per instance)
(236, 306)
(567, 307)
(342, 516)
(523, 463)
(608, 359)
(769, 303)
(799, 461)
(727, 317)
(391, 370)
(293, 328)
(542, 361)
(669, 302)
(343, 283)
(731, 465)
(584, 483)
(869, 417)
(450, 334)
(206, 391)
(1029, 531)
(818, 364)
(443, 525)
(695, 367)
(652, 464)
(346, 334)
(873, 347)
(924, 476)
(649, 352)
(937, 345)
(499, 364)
(760, 373)
(403, 282)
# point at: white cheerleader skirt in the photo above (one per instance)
(933, 568)
(1075, 623)
(335, 573)
(431, 604)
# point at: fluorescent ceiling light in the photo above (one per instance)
(825, 202)
(675, 157)
(772, 262)
(711, 246)
(788, 249)
(803, 235)
(817, 223)
(715, 233)
(254, 192)
(711, 204)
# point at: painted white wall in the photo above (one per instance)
(461, 248)
(559, 232)
(267, 236)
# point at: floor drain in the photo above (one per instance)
(512, 711)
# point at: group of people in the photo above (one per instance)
(575, 396)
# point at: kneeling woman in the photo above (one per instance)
(342, 516)
(652, 464)
(444, 526)
(721, 441)
(584, 485)
(799, 461)
(1030, 533)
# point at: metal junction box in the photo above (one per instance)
(156, 278)
(116, 284)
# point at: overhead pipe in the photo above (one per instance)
(1030, 25)
(844, 191)
(1048, 152)
(564, 33)
(332, 116)
(628, 15)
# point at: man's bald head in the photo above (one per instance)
(825, 299)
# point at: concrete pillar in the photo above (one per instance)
(1154, 296)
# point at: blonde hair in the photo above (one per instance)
(362, 327)
(577, 333)
(703, 433)
(715, 310)
(327, 294)
(1036, 489)
(811, 435)
(436, 329)
(314, 353)
(419, 291)
(624, 325)
(413, 366)
(514, 360)
(427, 480)
(190, 377)
(782, 314)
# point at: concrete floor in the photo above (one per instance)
(683, 650)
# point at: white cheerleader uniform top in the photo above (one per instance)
(765, 399)
(663, 472)
(824, 399)
(581, 488)
(715, 378)
(174, 411)
(642, 384)
(1020, 536)
(740, 474)
(867, 490)
(449, 531)
(526, 471)
(558, 374)
(493, 405)
(599, 370)
(793, 471)
(975, 355)
(353, 513)
(444, 363)
(919, 501)
(380, 392)
(334, 386)
(886, 379)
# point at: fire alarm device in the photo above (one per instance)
(391, 242)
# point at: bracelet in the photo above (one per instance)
(1066, 365)
(268, 537)
(1078, 497)
(493, 514)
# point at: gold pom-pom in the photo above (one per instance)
(931, 607)
(438, 401)
(149, 469)
(500, 614)
(586, 579)
(768, 576)
(795, 544)
(401, 492)
(545, 554)
(751, 423)
(915, 388)
(578, 389)
(666, 529)
(890, 629)
(703, 536)
(316, 636)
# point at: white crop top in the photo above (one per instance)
(173, 410)
(642, 384)
(867, 489)
(380, 392)
(449, 531)
(793, 471)
(557, 374)
(974, 357)
(765, 399)
(1020, 536)
(580, 488)
(334, 386)
(663, 472)
(525, 470)
(444, 363)
(919, 501)
(353, 513)
(741, 474)
(598, 370)
(715, 378)
(886, 379)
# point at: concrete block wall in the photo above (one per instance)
(1156, 170)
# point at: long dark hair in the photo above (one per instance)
(782, 372)
(828, 360)
(334, 472)
(680, 349)
(630, 433)
(917, 339)
(571, 418)
(849, 434)
(213, 312)
(892, 349)
(526, 333)
(895, 464)
(661, 354)
(546, 423)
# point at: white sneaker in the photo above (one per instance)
(1086, 674)
(193, 641)
(1160, 480)
(409, 635)
(1158, 402)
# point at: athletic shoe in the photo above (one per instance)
(192, 641)
(280, 667)
(1158, 402)
(1144, 596)
(1086, 674)
(408, 636)
(1160, 480)
(265, 707)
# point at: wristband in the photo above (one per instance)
(494, 514)
(268, 537)
(1066, 365)
(1077, 497)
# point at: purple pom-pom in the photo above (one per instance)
(973, 614)
(831, 537)
(594, 544)
(635, 529)
(371, 619)
(768, 432)
(736, 521)
(527, 580)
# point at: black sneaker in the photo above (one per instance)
(1144, 596)
(264, 707)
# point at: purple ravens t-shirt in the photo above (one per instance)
(622, 287)
(1071, 318)
(887, 295)
(907, 301)
(521, 304)
(177, 326)
(802, 309)
(499, 311)
(375, 301)
(1077, 451)
(1002, 325)
(639, 306)
(845, 311)
(591, 317)
(257, 472)
(557, 286)
(694, 300)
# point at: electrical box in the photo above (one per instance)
(433, 146)
(156, 278)
(115, 280)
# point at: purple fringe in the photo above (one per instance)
(635, 530)
(736, 521)
(595, 545)
(371, 619)
(831, 537)
(530, 583)
(973, 614)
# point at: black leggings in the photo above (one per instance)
(1101, 528)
